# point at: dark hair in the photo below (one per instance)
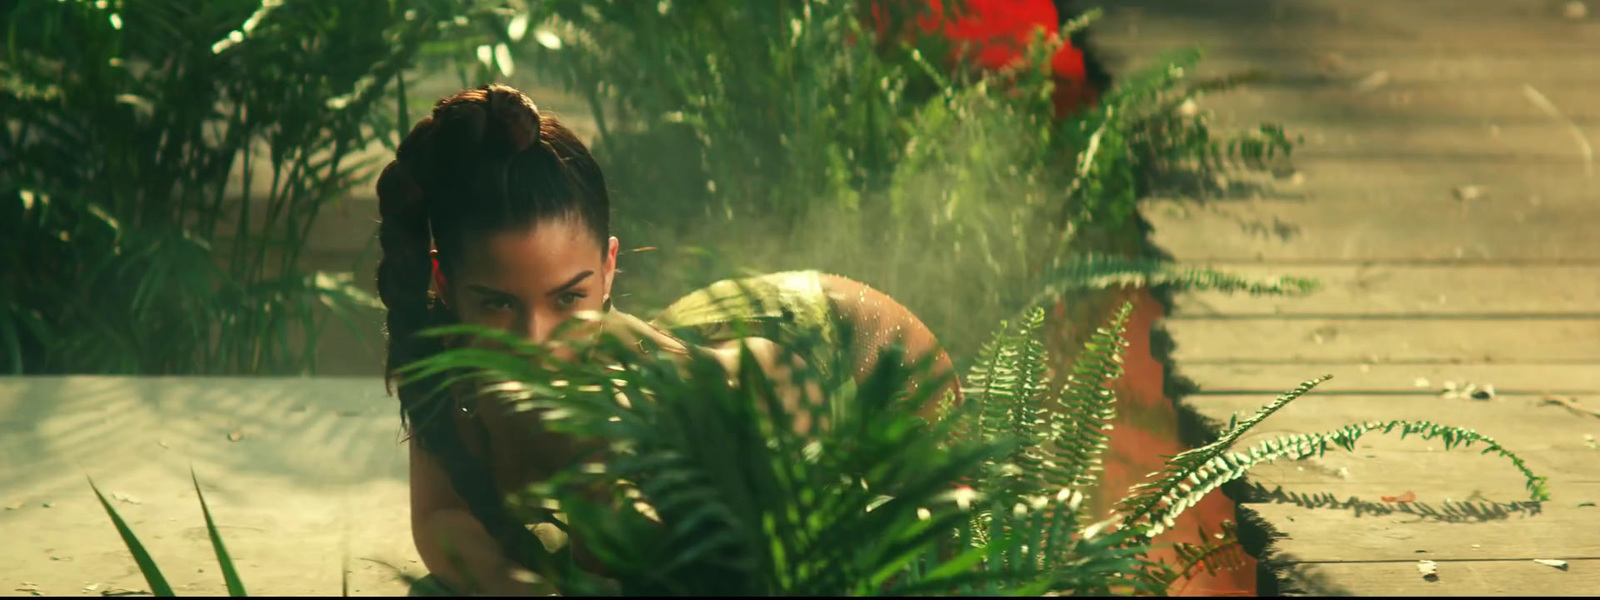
(484, 161)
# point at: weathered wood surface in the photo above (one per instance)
(1410, 289)
(1347, 339)
(1451, 222)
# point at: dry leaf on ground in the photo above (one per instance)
(1409, 496)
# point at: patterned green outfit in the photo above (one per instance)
(789, 308)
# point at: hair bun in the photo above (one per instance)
(514, 118)
(495, 120)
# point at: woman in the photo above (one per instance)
(496, 215)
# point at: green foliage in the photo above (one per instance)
(757, 137)
(216, 134)
(1040, 453)
(1062, 449)
(776, 108)
(705, 484)
(1218, 552)
(147, 566)
(708, 488)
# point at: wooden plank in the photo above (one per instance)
(1350, 178)
(1360, 485)
(1537, 426)
(1554, 442)
(1376, 341)
(1376, 228)
(1389, 289)
(1514, 25)
(1314, 66)
(1518, 379)
(1465, 106)
(1544, 142)
(1515, 578)
(1540, 422)
(1385, 468)
(1323, 536)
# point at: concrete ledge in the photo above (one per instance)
(299, 473)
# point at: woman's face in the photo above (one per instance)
(528, 282)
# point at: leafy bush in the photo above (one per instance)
(756, 137)
(787, 134)
(164, 161)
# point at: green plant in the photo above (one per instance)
(715, 492)
(1038, 462)
(781, 135)
(704, 486)
(1063, 442)
(164, 163)
(147, 565)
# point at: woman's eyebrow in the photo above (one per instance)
(570, 282)
(488, 291)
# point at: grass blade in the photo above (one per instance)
(229, 575)
(147, 566)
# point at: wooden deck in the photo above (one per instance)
(1453, 222)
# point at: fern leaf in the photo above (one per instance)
(1213, 473)
(1102, 272)
(1182, 470)
(1030, 418)
(1217, 552)
(1088, 405)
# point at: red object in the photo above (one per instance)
(438, 277)
(993, 34)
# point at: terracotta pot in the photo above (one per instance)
(1146, 427)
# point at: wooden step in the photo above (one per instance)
(1377, 228)
(1357, 341)
(1486, 26)
(1335, 105)
(1265, 381)
(1460, 290)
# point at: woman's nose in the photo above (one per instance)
(530, 327)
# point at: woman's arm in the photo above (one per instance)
(442, 523)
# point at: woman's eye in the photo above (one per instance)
(495, 304)
(569, 299)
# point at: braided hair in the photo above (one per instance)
(484, 161)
